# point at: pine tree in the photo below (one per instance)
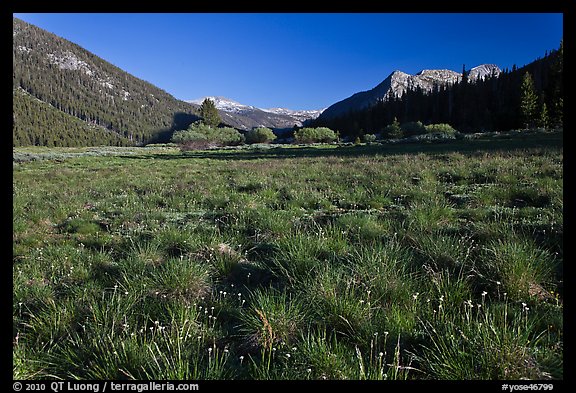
(209, 113)
(393, 130)
(544, 117)
(528, 101)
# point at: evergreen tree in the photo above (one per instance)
(464, 74)
(393, 130)
(544, 117)
(209, 113)
(528, 101)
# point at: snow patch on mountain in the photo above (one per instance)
(248, 116)
(225, 104)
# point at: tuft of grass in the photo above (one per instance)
(523, 269)
(272, 318)
(483, 342)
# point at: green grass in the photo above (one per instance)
(436, 261)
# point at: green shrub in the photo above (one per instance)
(198, 132)
(312, 135)
(260, 135)
(413, 128)
(442, 128)
(369, 138)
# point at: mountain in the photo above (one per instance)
(487, 100)
(398, 82)
(57, 84)
(246, 117)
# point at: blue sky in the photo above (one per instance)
(299, 61)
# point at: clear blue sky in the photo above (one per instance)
(299, 61)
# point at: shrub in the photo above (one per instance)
(369, 138)
(260, 135)
(319, 134)
(413, 128)
(442, 128)
(204, 135)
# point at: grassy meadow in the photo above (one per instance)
(398, 262)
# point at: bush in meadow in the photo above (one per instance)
(260, 135)
(203, 134)
(314, 135)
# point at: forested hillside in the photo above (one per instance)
(38, 123)
(493, 103)
(113, 106)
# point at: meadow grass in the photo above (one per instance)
(353, 262)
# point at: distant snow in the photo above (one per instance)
(231, 106)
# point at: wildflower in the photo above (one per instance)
(288, 355)
(308, 370)
(381, 354)
(415, 296)
(484, 293)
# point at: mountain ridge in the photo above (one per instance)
(84, 86)
(398, 82)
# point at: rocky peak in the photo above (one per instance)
(398, 82)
